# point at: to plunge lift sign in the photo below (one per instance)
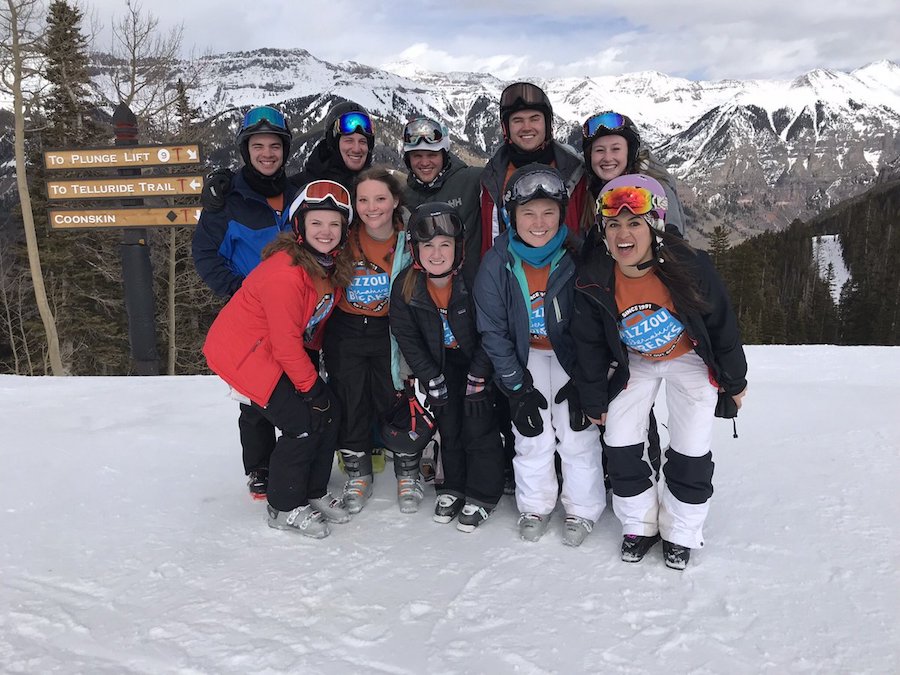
(133, 157)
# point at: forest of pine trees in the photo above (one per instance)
(774, 282)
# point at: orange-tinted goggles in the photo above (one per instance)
(637, 200)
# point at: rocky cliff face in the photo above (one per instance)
(753, 155)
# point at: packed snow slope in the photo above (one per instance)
(130, 546)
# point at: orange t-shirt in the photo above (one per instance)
(537, 278)
(647, 323)
(312, 336)
(441, 297)
(369, 291)
(277, 203)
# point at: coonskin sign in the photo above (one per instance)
(122, 157)
(138, 216)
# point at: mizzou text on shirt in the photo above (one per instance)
(647, 323)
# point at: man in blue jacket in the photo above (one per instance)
(228, 243)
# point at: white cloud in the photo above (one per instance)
(766, 38)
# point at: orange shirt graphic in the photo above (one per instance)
(369, 291)
(647, 322)
(441, 297)
(537, 278)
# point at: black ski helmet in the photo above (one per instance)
(430, 220)
(535, 181)
(263, 120)
(609, 123)
(525, 96)
(362, 124)
(407, 427)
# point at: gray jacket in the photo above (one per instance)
(503, 317)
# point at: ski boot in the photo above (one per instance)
(635, 546)
(358, 488)
(533, 525)
(334, 509)
(471, 517)
(446, 508)
(258, 483)
(576, 529)
(303, 520)
(410, 492)
(675, 555)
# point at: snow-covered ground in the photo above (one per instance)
(129, 545)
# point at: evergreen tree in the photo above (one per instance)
(82, 268)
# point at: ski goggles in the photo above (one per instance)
(547, 184)
(353, 122)
(263, 116)
(430, 226)
(423, 129)
(606, 120)
(638, 200)
(523, 93)
(326, 194)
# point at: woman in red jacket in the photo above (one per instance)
(264, 345)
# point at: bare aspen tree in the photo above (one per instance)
(19, 53)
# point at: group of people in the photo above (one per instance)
(539, 303)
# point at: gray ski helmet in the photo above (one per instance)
(609, 123)
(535, 181)
(525, 96)
(349, 117)
(430, 220)
(263, 120)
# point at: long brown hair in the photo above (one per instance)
(383, 175)
(675, 268)
(287, 242)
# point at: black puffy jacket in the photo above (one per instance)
(419, 331)
(602, 358)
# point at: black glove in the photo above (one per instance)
(525, 405)
(216, 185)
(577, 419)
(436, 391)
(322, 405)
(479, 400)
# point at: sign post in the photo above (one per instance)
(130, 188)
(137, 272)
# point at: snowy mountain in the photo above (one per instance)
(751, 154)
(130, 546)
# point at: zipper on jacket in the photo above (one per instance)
(248, 354)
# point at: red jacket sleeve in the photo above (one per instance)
(288, 300)
(487, 221)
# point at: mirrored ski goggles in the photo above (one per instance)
(257, 117)
(430, 226)
(353, 122)
(606, 120)
(326, 194)
(534, 185)
(525, 92)
(423, 129)
(638, 200)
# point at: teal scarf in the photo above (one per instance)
(537, 256)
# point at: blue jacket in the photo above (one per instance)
(227, 244)
(503, 317)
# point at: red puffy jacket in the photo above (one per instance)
(258, 335)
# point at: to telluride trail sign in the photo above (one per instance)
(135, 157)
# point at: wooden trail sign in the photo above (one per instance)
(118, 188)
(122, 156)
(138, 216)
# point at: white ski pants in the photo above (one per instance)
(582, 469)
(691, 401)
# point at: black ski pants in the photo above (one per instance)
(357, 353)
(300, 465)
(472, 454)
(257, 438)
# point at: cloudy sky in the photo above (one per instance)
(698, 39)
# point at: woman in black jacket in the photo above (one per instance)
(432, 316)
(649, 308)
